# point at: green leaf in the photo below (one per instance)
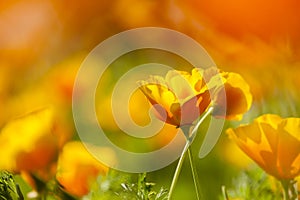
(9, 190)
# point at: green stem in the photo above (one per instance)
(289, 192)
(193, 166)
(178, 169)
(196, 127)
(224, 192)
(189, 139)
(195, 174)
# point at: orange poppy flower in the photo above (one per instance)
(29, 143)
(179, 98)
(237, 99)
(77, 169)
(273, 143)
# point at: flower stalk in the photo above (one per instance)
(289, 191)
(178, 169)
(190, 135)
(194, 174)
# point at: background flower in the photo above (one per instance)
(77, 169)
(31, 142)
(273, 143)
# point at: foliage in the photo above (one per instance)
(9, 190)
(252, 185)
(120, 186)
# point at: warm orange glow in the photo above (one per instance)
(266, 19)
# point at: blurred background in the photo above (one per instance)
(43, 43)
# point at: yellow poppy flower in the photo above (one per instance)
(238, 96)
(179, 98)
(77, 169)
(29, 143)
(273, 143)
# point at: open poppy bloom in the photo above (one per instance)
(179, 98)
(273, 143)
(77, 169)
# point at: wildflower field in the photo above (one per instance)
(150, 100)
